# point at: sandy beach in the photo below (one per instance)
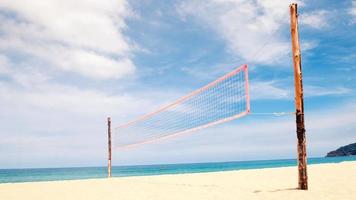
(326, 181)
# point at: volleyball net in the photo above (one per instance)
(222, 100)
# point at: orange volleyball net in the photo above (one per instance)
(222, 100)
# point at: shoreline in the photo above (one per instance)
(173, 174)
(327, 181)
(346, 158)
(187, 173)
(56, 174)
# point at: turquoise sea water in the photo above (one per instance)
(51, 174)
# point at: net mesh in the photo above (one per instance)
(222, 100)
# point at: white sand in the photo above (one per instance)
(326, 181)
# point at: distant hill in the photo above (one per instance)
(348, 150)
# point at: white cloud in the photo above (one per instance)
(66, 100)
(256, 31)
(253, 30)
(323, 91)
(42, 119)
(84, 23)
(4, 65)
(274, 90)
(317, 19)
(352, 12)
(94, 65)
(268, 90)
(85, 37)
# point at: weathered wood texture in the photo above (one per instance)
(299, 104)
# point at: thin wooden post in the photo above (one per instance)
(109, 147)
(299, 102)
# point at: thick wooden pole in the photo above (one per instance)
(299, 103)
(109, 147)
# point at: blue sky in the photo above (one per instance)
(67, 65)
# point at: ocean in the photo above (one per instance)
(75, 173)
